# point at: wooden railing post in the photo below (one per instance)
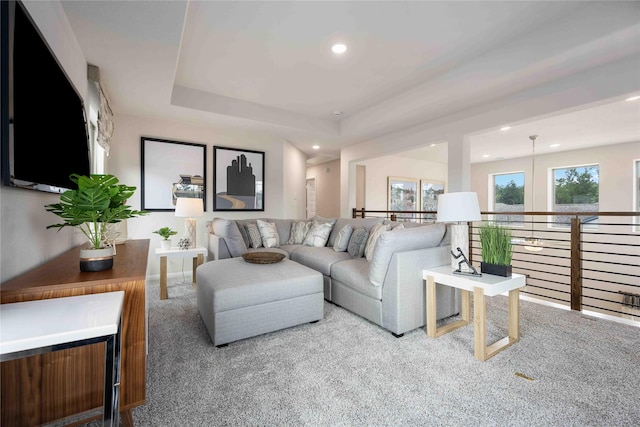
(470, 254)
(576, 264)
(353, 213)
(393, 217)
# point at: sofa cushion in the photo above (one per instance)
(254, 235)
(357, 242)
(354, 274)
(320, 259)
(242, 226)
(407, 239)
(269, 234)
(318, 234)
(367, 223)
(284, 228)
(299, 230)
(228, 230)
(342, 242)
(374, 234)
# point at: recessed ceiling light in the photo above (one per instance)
(337, 113)
(339, 48)
(633, 98)
(316, 147)
(554, 145)
(433, 145)
(484, 156)
(504, 128)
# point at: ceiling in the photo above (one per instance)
(267, 65)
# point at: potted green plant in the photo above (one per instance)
(496, 250)
(98, 201)
(165, 233)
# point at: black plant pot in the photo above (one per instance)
(495, 269)
(96, 259)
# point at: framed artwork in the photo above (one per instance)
(171, 169)
(402, 196)
(429, 192)
(238, 181)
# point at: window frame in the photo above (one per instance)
(551, 194)
(491, 202)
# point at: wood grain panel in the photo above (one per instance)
(53, 386)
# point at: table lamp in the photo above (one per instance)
(189, 208)
(458, 208)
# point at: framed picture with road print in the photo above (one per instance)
(238, 179)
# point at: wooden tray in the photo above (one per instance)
(263, 257)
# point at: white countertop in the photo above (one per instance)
(35, 324)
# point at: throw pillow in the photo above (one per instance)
(269, 234)
(318, 234)
(254, 235)
(375, 233)
(357, 242)
(342, 242)
(299, 230)
(398, 227)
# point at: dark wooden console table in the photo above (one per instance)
(67, 385)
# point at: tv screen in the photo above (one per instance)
(44, 128)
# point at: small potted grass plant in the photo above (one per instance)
(496, 250)
(165, 233)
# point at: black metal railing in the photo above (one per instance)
(589, 264)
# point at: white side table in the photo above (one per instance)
(41, 326)
(488, 285)
(198, 253)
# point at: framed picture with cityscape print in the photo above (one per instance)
(171, 169)
(238, 179)
(403, 196)
(429, 191)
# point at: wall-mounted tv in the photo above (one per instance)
(43, 123)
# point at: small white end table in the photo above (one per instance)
(198, 253)
(42, 326)
(486, 285)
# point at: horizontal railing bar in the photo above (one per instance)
(611, 243)
(604, 290)
(608, 272)
(611, 234)
(607, 281)
(609, 253)
(611, 262)
(548, 281)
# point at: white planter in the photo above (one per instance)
(165, 244)
(96, 259)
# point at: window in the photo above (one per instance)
(508, 196)
(576, 189)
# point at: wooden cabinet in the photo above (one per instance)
(68, 385)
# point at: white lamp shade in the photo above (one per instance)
(458, 207)
(189, 207)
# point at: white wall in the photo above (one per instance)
(616, 175)
(327, 177)
(379, 169)
(24, 240)
(284, 177)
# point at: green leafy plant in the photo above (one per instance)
(496, 244)
(98, 201)
(166, 232)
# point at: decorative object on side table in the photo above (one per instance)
(189, 208)
(185, 244)
(98, 201)
(496, 250)
(464, 266)
(459, 208)
(165, 233)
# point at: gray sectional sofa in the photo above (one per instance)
(388, 289)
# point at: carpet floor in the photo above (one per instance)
(567, 370)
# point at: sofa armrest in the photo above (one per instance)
(217, 248)
(403, 292)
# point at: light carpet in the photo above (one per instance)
(567, 370)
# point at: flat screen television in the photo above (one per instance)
(43, 122)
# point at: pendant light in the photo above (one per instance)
(533, 243)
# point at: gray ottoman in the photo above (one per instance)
(237, 299)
